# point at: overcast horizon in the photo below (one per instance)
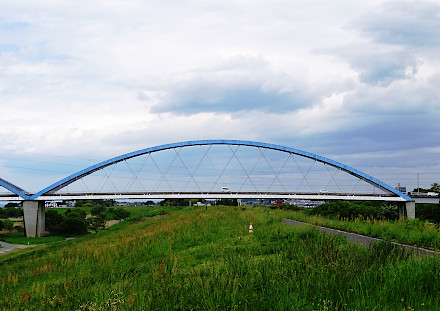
(353, 81)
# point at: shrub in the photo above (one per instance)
(98, 209)
(121, 213)
(96, 222)
(8, 224)
(352, 210)
(11, 211)
(72, 222)
(53, 220)
(430, 212)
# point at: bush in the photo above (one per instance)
(53, 220)
(11, 211)
(72, 222)
(98, 209)
(8, 224)
(121, 213)
(430, 212)
(351, 210)
(96, 222)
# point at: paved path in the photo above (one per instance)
(6, 247)
(361, 239)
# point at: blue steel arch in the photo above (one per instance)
(14, 189)
(74, 177)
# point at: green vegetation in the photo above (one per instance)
(413, 232)
(7, 224)
(194, 259)
(435, 187)
(429, 212)
(352, 210)
(19, 238)
(10, 211)
(74, 222)
(375, 219)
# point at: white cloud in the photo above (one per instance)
(115, 76)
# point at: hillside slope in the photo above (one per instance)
(197, 259)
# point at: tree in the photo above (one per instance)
(74, 222)
(428, 211)
(435, 187)
(96, 222)
(227, 202)
(121, 213)
(12, 211)
(174, 202)
(98, 209)
(53, 221)
(8, 225)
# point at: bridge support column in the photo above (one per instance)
(410, 209)
(34, 218)
(407, 209)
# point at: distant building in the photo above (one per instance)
(268, 202)
(304, 203)
(50, 204)
(401, 188)
(70, 203)
(278, 202)
(256, 202)
(54, 204)
(202, 204)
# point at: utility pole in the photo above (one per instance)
(418, 183)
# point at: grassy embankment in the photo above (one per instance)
(413, 232)
(20, 238)
(205, 259)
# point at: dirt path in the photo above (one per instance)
(110, 223)
(361, 239)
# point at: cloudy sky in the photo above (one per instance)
(355, 81)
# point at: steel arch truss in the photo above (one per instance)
(233, 146)
(14, 189)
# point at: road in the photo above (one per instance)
(361, 239)
(9, 247)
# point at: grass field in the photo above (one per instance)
(197, 259)
(413, 232)
(19, 238)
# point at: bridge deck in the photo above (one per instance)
(212, 195)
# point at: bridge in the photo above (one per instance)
(210, 169)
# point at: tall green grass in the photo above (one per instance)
(413, 232)
(197, 259)
(19, 238)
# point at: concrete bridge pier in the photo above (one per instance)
(34, 218)
(407, 209)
